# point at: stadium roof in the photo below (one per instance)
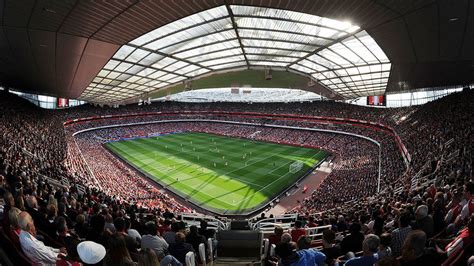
(338, 54)
(105, 51)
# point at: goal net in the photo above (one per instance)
(296, 166)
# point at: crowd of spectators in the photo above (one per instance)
(85, 206)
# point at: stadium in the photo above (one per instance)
(225, 132)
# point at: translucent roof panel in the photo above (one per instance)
(251, 95)
(338, 54)
(347, 63)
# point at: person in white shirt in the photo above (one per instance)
(35, 250)
(132, 232)
(154, 241)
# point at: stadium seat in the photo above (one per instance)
(239, 225)
(202, 253)
(16, 255)
(190, 259)
(210, 246)
(266, 248)
(272, 250)
(239, 245)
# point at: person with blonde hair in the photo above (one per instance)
(14, 232)
(117, 252)
(147, 258)
(414, 251)
(13, 218)
(52, 200)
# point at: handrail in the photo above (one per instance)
(196, 218)
(291, 216)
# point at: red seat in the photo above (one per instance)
(15, 254)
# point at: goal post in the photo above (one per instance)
(295, 167)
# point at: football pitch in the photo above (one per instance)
(221, 174)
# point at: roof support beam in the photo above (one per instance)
(319, 49)
(166, 55)
(293, 21)
(184, 29)
(339, 77)
(234, 25)
(146, 66)
(349, 75)
(342, 68)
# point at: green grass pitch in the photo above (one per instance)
(222, 174)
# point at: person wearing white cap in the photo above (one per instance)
(90, 252)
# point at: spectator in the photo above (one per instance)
(147, 257)
(369, 257)
(204, 231)
(66, 239)
(34, 249)
(153, 241)
(170, 236)
(414, 251)
(194, 238)
(297, 231)
(462, 242)
(353, 242)
(399, 234)
(330, 249)
(14, 230)
(341, 224)
(132, 232)
(32, 208)
(62, 213)
(117, 253)
(132, 244)
(109, 224)
(438, 215)
(49, 226)
(91, 253)
(384, 247)
(97, 231)
(285, 238)
(286, 251)
(180, 248)
(81, 227)
(311, 222)
(378, 222)
(307, 255)
(424, 221)
(276, 236)
(468, 208)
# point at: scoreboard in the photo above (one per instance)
(378, 100)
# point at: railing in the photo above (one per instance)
(415, 178)
(195, 219)
(54, 182)
(316, 233)
(285, 220)
(96, 181)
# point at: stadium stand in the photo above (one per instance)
(236, 132)
(67, 190)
